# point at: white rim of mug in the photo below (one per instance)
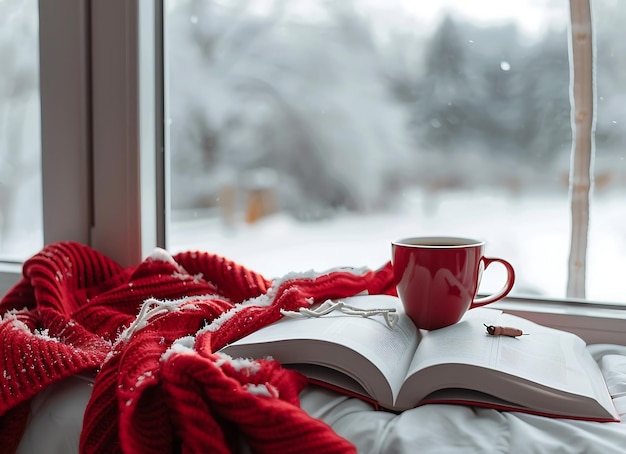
(458, 240)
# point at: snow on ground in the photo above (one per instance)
(532, 232)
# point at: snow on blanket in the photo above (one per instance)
(150, 334)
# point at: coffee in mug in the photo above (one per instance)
(437, 278)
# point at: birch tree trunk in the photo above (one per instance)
(583, 126)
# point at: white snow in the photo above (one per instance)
(530, 231)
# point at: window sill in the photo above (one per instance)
(10, 273)
(596, 323)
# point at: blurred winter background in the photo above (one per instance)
(20, 131)
(310, 133)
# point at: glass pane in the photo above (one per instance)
(309, 134)
(21, 233)
(607, 240)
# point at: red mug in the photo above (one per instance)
(437, 278)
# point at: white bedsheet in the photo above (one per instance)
(57, 413)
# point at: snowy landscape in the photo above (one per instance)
(369, 121)
(532, 233)
(309, 134)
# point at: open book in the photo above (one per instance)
(545, 371)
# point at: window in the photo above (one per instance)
(309, 134)
(104, 169)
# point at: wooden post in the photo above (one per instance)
(583, 126)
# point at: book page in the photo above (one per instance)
(301, 340)
(552, 358)
(545, 369)
(465, 342)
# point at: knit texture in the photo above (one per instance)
(151, 334)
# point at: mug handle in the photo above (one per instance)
(508, 286)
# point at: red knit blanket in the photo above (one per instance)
(151, 334)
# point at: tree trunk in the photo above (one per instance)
(583, 126)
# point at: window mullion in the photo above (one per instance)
(124, 137)
(65, 119)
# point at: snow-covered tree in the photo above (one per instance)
(304, 96)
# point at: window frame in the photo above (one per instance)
(64, 81)
(90, 58)
(127, 185)
(104, 162)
